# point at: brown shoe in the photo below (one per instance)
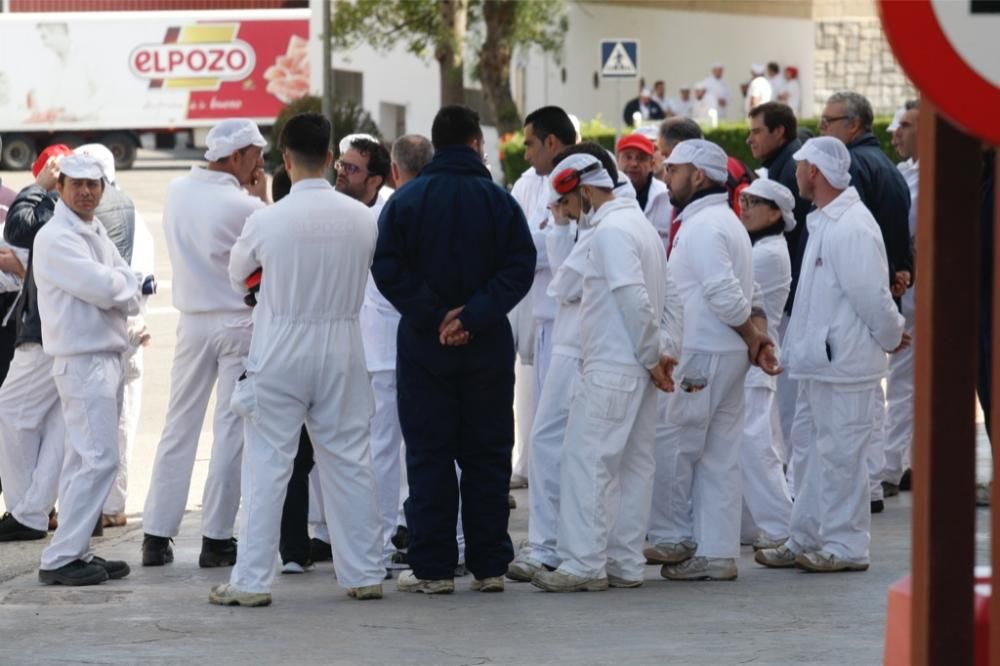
(113, 520)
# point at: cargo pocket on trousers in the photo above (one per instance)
(689, 406)
(609, 395)
(244, 399)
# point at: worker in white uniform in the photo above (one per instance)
(843, 324)
(306, 365)
(719, 89)
(899, 387)
(759, 90)
(547, 131)
(203, 215)
(607, 467)
(85, 293)
(767, 212)
(141, 262)
(697, 534)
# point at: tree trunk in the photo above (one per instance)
(449, 50)
(494, 63)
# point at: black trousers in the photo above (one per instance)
(294, 543)
(463, 415)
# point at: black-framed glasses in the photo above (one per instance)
(749, 201)
(348, 168)
(826, 121)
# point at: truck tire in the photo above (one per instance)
(123, 146)
(18, 153)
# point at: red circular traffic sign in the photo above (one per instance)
(940, 47)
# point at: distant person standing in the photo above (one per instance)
(759, 90)
(791, 92)
(645, 106)
(454, 255)
(718, 89)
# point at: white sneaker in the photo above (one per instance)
(488, 584)
(984, 492)
(701, 568)
(296, 568)
(524, 568)
(762, 542)
(615, 581)
(408, 582)
(560, 581)
(669, 553)
(518, 481)
(227, 595)
(366, 592)
(821, 561)
(776, 558)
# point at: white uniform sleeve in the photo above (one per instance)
(714, 271)
(559, 244)
(672, 320)
(860, 266)
(67, 262)
(243, 258)
(567, 283)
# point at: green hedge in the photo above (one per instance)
(731, 136)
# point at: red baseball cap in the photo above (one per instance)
(55, 150)
(636, 141)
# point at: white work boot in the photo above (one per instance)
(524, 568)
(488, 584)
(408, 582)
(762, 542)
(821, 561)
(366, 592)
(701, 568)
(776, 558)
(560, 581)
(669, 553)
(227, 595)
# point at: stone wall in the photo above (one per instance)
(853, 54)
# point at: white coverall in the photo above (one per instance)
(203, 215)
(607, 467)
(698, 483)
(899, 388)
(143, 263)
(31, 428)
(85, 293)
(307, 365)
(843, 324)
(718, 89)
(659, 210)
(766, 502)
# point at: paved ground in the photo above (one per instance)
(162, 615)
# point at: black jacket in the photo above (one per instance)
(781, 167)
(452, 237)
(32, 208)
(655, 111)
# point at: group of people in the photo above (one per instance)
(634, 321)
(708, 100)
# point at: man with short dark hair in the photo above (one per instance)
(362, 170)
(454, 272)
(306, 366)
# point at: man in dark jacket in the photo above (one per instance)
(773, 139)
(454, 255)
(848, 116)
(31, 425)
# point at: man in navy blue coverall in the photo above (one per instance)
(454, 255)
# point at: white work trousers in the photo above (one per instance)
(128, 427)
(386, 443)
(899, 404)
(211, 350)
(524, 416)
(876, 450)
(89, 388)
(547, 443)
(787, 396)
(702, 457)
(32, 436)
(337, 417)
(766, 502)
(832, 510)
(606, 475)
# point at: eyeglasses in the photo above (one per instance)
(826, 121)
(348, 168)
(749, 201)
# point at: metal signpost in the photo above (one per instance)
(619, 60)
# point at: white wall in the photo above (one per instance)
(678, 47)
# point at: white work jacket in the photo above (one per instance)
(844, 319)
(772, 271)
(379, 319)
(85, 289)
(531, 191)
(659, 210)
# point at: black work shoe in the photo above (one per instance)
(889, 489)
(116, 568)
(511, 502)
(217, 553)
(12, 530)
(156, 551)
(401, 538)
(320, 551)
(905, 483)
(878, 506)
(76, 572)
(98, 528)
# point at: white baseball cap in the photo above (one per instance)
(830, 156)
(777, 193)
(704, 155)
(896, 118)
(81, 166)
(231, 135)
(102, 154)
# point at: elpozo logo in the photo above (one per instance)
(194, 57)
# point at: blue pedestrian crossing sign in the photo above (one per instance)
(620, 58)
